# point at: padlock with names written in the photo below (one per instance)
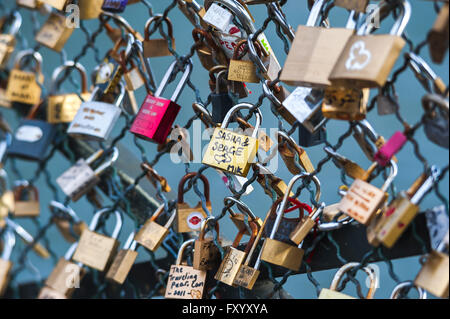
(7, 37)
(123, 262)
(345, 103)
(206, 253)
(242, 70)
(81, 178)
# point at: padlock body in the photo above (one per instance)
(185, 282)
(345, 104)
(437, 130)
(157, 48)
(231, 152)
(94, 121)
(154, 119)
(331, 294)
(121, 266)
(302, 230)
(357, 5)
(5, 269)
(32, 140)
(308, 139)
(78, 180)
(49, 293)
(95, 250)
(282, 254)
(90, 9)
(433, 276)
(57, 4)
(366, 61)
(190, 218)
(65, 277)
(151, 235)
(206, 254)
(23, 88)
(63, 108)
(54, 33)
(246, 277)
(29, 208)
(438, 36)
(229, 268)
(221, 104)
(115, 6)
(362, 201)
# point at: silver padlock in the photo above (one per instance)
(436, 123)
(95, 119)
(81, 178)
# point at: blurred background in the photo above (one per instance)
(409, 90)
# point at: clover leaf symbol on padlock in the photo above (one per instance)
(354, 61)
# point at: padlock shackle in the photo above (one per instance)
(66, 209)
(113, 158)
(315, 13)
(368, 270)
(279, 135)
(219, 75)
(435, 99)
(130, 243)
(37, 57)
(54, 85)
(157, 213)
(120, 22)
(239, 107)
(241, 206)
(254, 227)
(181, 84)
(392, 174)
(117, 227)
(182, 248)
(420, 67)
(155, 19)
(203, 114)
(69, 253)
(9, 241)
(188, 177)
(253, 54)
(19, 189)
(279, 16)
(238, 11)
(407, 284)
(204, 225)
(15, 25)
(433, 177)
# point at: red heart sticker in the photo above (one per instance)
(234, 30)
(195, 220)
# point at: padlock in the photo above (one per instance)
(425, 74)
(8, 38)
(346, 104)
(30, 4)
(269, 182)
(357, 5)
(157, 114)
(209, 53)
(90, 9)
(289, 151)
(434, 276)
(54, 33)
(436, 119)
(239, 219)
(222, 100)
(185, 282)
(242, 70)
(7, 201)
(26, 199)
(305, 105)
(193, 11)
(308, 139)
(96, 119)
(67, 221)
(407, 285)
(265, 143)
(123, 24)
(234, 258)
(238, 89)
(95, 250)
(367, 60)
(232, 152)
(57, 4)
(9, 241)
(81, 178)
(191, 218)
(350, 168)
(115, 6)
(402, 211)
(154, 178)
(387, 100)
(315, 50)
(151, 235)
(132, 76)
(277, 252)
(158, 47)
(276, 95)
(123, 261)
(65, 277)
(62, 108)
(206, 253)
(332, 293)
(363, 200)
(23, 86)
(390, 148)
(438, 36)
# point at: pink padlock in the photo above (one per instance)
(390, 148)
(156, 115)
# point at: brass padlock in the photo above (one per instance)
(67, 221)
(333, 294)
(154, 178)
(26, 199)
(9, 241)
(23, 86)
(62, 108)
(158, 47)
(123, 261)
(434, 276)
(206, 253)
(232, 152)
(269, 182)
(191, 218)
(54, 33)
(239, 219)
(289, 155)
(151, 235)
(438, 35)
(8, 38)
(81, 178)
(242, 70)
(234, 258)
(90, 9)
(95, 250)
(184, 281)
(346, 104)
(357, 5)
(65, 277)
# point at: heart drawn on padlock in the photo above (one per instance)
(194, 220)
(358, 53)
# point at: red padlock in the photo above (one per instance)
(156, 116)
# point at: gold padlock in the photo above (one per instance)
(123, 261)
(90, 9)
(62, 108)
(8, 38)
(232, 152)
(70, 225)
(239, 219)
(206, 253)
(242, 70)
(269, 182)
(151, 235)
(158, 47)
(289, 156)
(184, 281)
(438, 35)
(346, 104)
(95, 250)
(191, 218)
(54, 33)
(26, 198)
